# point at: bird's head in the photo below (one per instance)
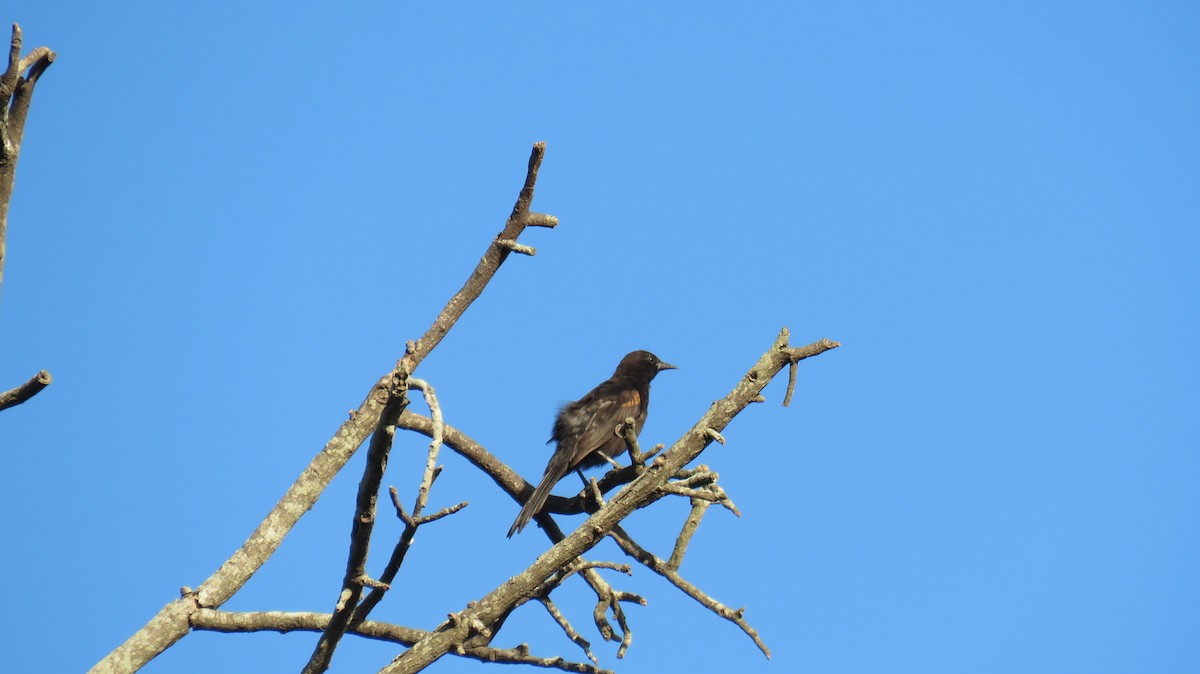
(642, 364)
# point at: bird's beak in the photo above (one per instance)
(666, 366)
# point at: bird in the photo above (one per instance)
(585, 430)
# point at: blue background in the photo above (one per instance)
(229, 217)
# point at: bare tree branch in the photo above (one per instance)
(29, 389)
(171, 623)
(469, 632)
(16, 92)
(435, 445)
(414, 521)
(657, 565)
(567, 629)
(214, 620)
(360, 530)
(791, 387)
(506, 478)
(497, 604)
(495, 256)
(607, 599)
(690, 525)
(637, 457)
(700, 483)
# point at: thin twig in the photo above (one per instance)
(690, 525)
(449, 510)
(360, 532)
(657, 565)
(435, 412)
(578, 567)
(791, 386)
(628, 432)
(565, 624)
(626, 635)
(515, 247)
(414, 521)
(711, 493)
(608, 600)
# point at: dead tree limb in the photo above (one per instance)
(25, 391)
(608, 599)
(171, 622)
(16, 92)
(496, 605)
(214, 620)
(670, 571)
(418, 517)
(362, 526)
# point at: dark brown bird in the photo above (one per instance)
(585, 429)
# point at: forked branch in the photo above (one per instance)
(215, 620)
(496, 605)
(171, 622)
(16, 92)
(363, 524)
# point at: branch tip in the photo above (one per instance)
(25, 391)
(515, 247)
(541, 220)
(791, 385)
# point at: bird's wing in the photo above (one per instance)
(609, 407)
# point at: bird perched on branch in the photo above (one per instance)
(585, 430)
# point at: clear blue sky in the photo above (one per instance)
(230, 216)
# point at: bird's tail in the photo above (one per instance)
(554, 473)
